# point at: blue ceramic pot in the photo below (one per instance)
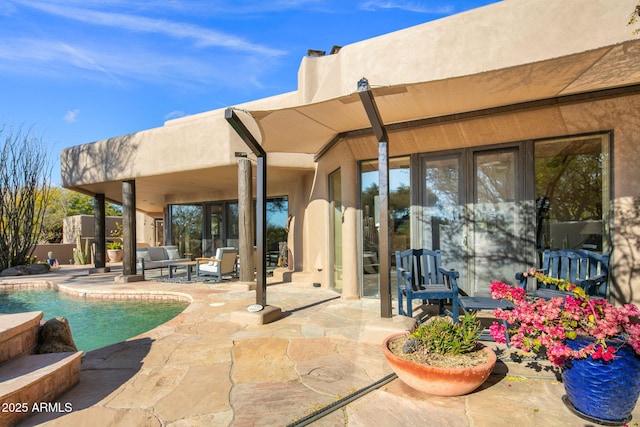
(603, 392)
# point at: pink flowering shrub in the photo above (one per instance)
(548, 324)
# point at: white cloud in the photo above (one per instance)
(411, 6)
(71, 116)
(39, 53)
(202, 36)
(174, 115)
(109, 63)
(7, 9)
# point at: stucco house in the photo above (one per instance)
(510, 129)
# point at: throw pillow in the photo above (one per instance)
(173, 253)
(144, 255)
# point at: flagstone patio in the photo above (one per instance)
(202, 368)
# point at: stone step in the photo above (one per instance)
(29, 382)
(18, 334)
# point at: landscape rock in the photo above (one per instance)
(55, 337)
(25, 270)
(18, 270)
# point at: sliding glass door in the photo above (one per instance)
(470, 212)
(492, 212)
(498, 240)
(443, 223)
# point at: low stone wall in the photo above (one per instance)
(63, 252)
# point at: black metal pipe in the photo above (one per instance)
(384, 256)
(261, 202)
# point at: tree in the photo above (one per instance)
(53, 220)
(634, 18)
(25, 172)
(63, 203)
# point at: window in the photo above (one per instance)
(399, 217)
(572, 193)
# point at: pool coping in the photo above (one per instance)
(134, 294)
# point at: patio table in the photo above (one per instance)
(188, 265)
(485, 303)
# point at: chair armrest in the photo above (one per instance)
(451, 276)
(592, 284)
(208, 259)
(451, 273)
(402, 276)
(523, 277)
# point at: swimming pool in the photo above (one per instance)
(94, 323)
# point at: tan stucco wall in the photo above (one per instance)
(317, 236)
(498, 36)
(85, 225)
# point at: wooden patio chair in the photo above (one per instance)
(421, 276)
(587, 269)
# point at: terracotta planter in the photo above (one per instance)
(114, 255)
(439, 381)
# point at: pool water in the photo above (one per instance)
(94, 323)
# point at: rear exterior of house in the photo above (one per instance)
(512, 128)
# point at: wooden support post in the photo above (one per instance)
(99, 235)
(129, 228)
(245, 221)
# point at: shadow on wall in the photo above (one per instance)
(100, 161)
(499, 249)
(625, 255)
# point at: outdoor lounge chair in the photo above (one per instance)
(420, 276)
(583, 268)
(223, 264)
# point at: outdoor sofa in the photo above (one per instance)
(158, 257)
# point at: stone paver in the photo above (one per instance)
(202, 369)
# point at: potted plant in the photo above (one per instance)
(441, 357)
(114, 251)
(114, 248)
(596, 344)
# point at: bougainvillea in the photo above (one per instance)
(536, 323)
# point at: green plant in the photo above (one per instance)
(633, 19)
(118, 232)
(114, 245)
(442, 336)
(80, 256)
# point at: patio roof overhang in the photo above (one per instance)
(310, 128)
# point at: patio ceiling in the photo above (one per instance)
(308, 128)
(154, 192)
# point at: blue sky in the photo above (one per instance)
(77, 71)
